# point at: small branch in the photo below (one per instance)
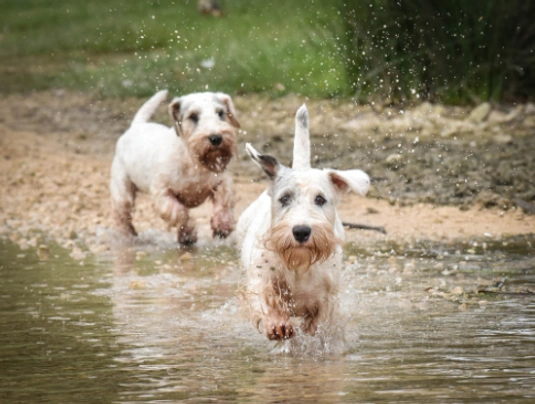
(380, 229)
(494, 292)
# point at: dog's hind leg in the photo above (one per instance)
(123, 193)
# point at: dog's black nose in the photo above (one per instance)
(215, 139)
(301, 233)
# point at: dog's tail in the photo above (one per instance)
(147, 109)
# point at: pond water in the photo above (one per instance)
(427, 322)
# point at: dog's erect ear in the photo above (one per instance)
(174, 113)
(301, 157)
(269, 164)
(231, 112)
(349, 180)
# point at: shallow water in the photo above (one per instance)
(150, 324)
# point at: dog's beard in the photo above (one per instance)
(214, 158)
(300, 257)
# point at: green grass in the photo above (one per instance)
(454, 51)
(120, 47)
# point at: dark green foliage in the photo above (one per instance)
(453, 50)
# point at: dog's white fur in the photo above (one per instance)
(287, 278)
(179, 166)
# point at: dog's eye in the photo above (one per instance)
(221, 114)
(320, 200)
(194, 118)
(285, 200)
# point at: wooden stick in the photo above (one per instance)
(380, 229)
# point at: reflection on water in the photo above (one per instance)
(426, 323)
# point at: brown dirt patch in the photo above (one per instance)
(57, 147)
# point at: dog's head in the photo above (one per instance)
(304, 201)
(207, 123)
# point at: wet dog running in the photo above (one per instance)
(291, 239)
(180, 166)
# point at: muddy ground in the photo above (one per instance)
(437, 172)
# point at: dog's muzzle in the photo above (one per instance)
(215, 140)
(301, 233)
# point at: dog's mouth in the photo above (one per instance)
(215, 156)
(216, 162)
(299, 256)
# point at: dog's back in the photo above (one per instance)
(146, 148)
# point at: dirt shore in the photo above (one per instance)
(438, 173)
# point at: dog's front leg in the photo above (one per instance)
(311, 321)
(176, 214)
(322, 312)
(271, 306)
(222, 221)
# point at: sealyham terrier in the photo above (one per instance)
(291, 240)
(180, 166)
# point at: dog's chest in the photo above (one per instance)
(191, 193)
(305, 292)
(189, 184)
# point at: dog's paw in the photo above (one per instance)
(187, 240)
(222, 225)
(218, 233)
(280, 331)
(187, 236)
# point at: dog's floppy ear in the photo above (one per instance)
(231, 112)
(269, 164)
(349, 180)
(174, 113)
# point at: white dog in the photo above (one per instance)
(292, 240)
(180, 166)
